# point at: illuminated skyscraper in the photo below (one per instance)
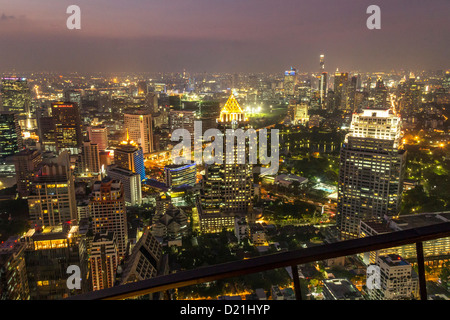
(129, 155)
(323, 83)
(26, 162)
(90, 159)
(227, 188)
(48, 254)
(99, 136)
(52, 200)
(103, 260)
(142, 88)
(66, 117)
(380, 95)
(132, 185)
(139, 126)
(10, 134)
(182, 119)
(108, 212)
(290, 81)
(371, 170)
(340, 88)
(322, 63)
(16, 96)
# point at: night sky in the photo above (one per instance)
(223, 35)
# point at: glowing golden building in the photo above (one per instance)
(232, 111)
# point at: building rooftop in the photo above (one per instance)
(341, 289)
(394, 260)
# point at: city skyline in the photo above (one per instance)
(202, 36)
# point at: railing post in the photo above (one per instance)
(297, 290)
(421, 269)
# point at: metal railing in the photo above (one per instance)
(279, 260)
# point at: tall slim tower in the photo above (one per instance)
(66, 116)
(10, 134)
(371, 170)
(227, 187)
(108, 212)
(340, 88)
(139, 126)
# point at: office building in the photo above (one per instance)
(90, 159)
(146, 260)
(340, 89)
(129, 155)
(176, 176)
(131, 181)
(10, 134)
(340, 289)
(13, 271)
(139, 125)
(398, 280)
(67, 120)
(16, 96)
(290, 82)
(380, 93)
(52, 199)
(142, 88)
(228, 187)
(108, 212)
(99, 136)
(436, 252)
(182, 119)
(103, 260)
(301, 114)
(26, 162)
(371, 170)
(323, 88)
(49, 252)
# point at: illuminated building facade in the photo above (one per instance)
(90, 159)
(130, 156)
(182, 119)
(436, 252)
(103, 260)
(132, 185)
(323, 88)
(290, 81)
(16, 96)
(340, 88)
(146, 260)
(108, 212)
(140, 128)
(228, 187)
(10, 134)
(180, 175)
(26, 162)
(48, 254)
(66, 116)
(99, 136)
(371, 170)
(13, 272)
(52, 200)
(398, 280)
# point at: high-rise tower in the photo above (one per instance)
(371, 170)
